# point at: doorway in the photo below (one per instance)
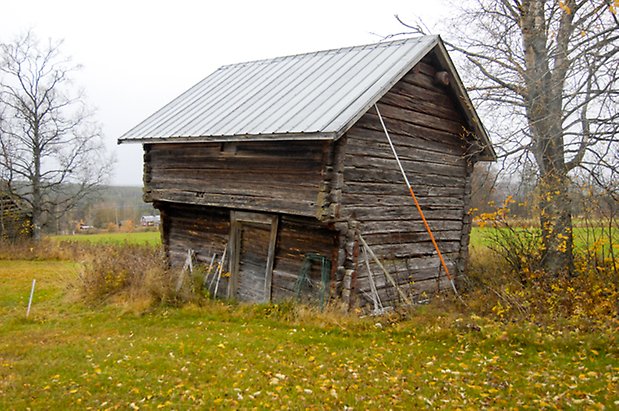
(252, 238)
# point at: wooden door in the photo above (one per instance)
(253, 248)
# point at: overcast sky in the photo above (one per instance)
(139, 55)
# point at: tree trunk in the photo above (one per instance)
(37, 196)
(37, 213)
(556, 225)
(544, 114)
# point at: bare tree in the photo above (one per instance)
(51, 149)
(547, 70)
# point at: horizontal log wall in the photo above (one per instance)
(297, 237)
(205, 230)
(428, 131)
(259, 176)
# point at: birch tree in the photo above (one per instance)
(545, 73)
(51, 149)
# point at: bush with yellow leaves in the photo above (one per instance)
(508, 282)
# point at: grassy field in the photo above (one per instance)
(482, 237)
(148, 237)
(68, 355)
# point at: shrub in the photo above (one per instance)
(520, 247)
(505, 280)
(131, 274)
(588, 299)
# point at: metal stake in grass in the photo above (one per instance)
(34, 281)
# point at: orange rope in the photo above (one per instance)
(425, 223)
(410, 188)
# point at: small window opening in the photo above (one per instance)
(228, 148)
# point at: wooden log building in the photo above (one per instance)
(15, 218)
(284, 163)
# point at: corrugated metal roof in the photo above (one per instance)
(315, 95)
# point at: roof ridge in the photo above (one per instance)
(328, 51)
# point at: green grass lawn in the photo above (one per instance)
(148, 237)
(69, 356)
(482, 237)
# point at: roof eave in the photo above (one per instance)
(488, 153)
(324, 136)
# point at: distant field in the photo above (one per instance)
(482, 237)
(149, 237)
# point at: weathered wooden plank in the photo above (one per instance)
(266, 204)
(203, 189)
(421, 100)
(269, 150)
(411, 224)
(437, 96)
(378, 175)
(207, 181)
(425, 66)
(442, 140)
(421, 119)
(421, 190)
(426, 81)
(379, 148)
(363, 213)
(411, 237)
(404, 199)
(407, 250)
(413, 268)
(232, 164)
(413, 167)
(398, 267)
